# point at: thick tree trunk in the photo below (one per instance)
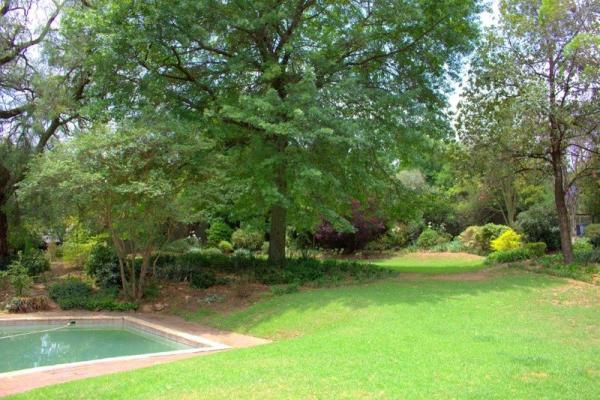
(277, 235)
(563, 212)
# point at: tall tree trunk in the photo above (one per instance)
(562, 210)
(277, 235)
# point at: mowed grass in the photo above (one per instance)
(510, 335)
(428, 263)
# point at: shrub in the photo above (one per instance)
(204, 279)
(76, 294)
(592, 232)
(103, 265)
(245, 239)
(211, 251)
(225, 247)
(507, 256)
(70, 289)
(478, 239)
(540, 224)
(35, 262)
(468, 238)
(18, 276)
(590, 256)
(241, 253)
(537, 249)
(366, 227)
(488, 233)
(430, 238)
(508, 240)
(582, 245)
(217, 232)
(28, 304)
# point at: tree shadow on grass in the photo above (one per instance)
(417, 290)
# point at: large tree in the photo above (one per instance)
(37, 99)
(536, 93)
(311, 100)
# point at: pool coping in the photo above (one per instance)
(197, 343)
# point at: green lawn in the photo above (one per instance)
(517, 335)
(428, 263)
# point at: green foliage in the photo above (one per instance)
(280, 290)
(27, 304)
(537, 249)
(592, 232)
(430, 238)
(582, 245)
(469, 238)
(204, 279)
(217, 232)
(103, 266)
(78, 243)
(76, 294)
(509, 256)
(200, 268)
(478, 239)
(24, 239)
(488, 233)
(540, 224)
(298, 125)
(225, 247)
(35, 261)
(18, 275)
(70, 288)
(246, 239)
(552, 264)
(508, 240)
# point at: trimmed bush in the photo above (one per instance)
(477, 239)
(245, 239)
(507, 256)
(592, 232)
(431, 238)
(225, 247)
(508, 240)
(537, 249)
(217, 232)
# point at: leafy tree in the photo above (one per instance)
(536, 91)
(311, 100)
(37, 100)
(125, 180)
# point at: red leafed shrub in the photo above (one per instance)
(367, 227)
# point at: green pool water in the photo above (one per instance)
(74, 343)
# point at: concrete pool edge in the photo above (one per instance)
(193, 341)
(18, 383)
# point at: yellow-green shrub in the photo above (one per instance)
(508, 240)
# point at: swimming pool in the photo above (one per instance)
(31, 344)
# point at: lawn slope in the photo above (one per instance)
(515, 335)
